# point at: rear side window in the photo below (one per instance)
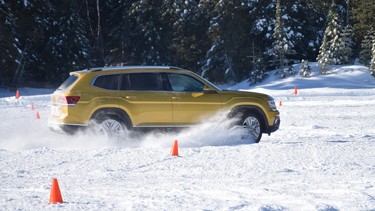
(109, 82)
(145, 82)
(68, 82)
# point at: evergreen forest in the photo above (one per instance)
(41, 41)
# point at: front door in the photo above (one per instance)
(190, 104)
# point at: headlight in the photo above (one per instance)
(271, 103)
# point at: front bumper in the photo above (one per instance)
(275, 126)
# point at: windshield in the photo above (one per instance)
(68, 82)
(212, 85)
(208, 82)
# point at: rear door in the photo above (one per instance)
(190, 104)
(146, 99)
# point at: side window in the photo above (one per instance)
(125, 82)
(107, 81)
(145, 82)
(184, 83)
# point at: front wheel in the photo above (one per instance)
(252, 126)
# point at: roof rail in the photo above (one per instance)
(95, 69)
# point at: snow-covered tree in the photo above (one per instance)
(305, 70)
(228, 34)
(121, 45)
(291, 70)
(372, 63)
(366, 46)
(213, 66)
(281, 45)
(303, 33)
(189, 43)
(346, 44)
(51, 39)
(9, 51)
(66, 43)
(328, 52)
(149, 31)
(324, 56)
(258, 73)
(363, 17)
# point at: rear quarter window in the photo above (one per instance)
(109, 82)
(68, 82)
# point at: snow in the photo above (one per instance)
(321, 158)
(260, 23)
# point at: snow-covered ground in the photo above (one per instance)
(321, 158)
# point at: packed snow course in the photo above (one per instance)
(321, 158)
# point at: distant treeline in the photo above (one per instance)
(41, 41)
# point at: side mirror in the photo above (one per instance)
(208, 90)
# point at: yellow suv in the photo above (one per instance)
(114, 100)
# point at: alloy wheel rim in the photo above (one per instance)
(110, 127)
(252, 126)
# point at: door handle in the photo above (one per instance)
(176, 98)
(129, 97)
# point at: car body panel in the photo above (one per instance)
(147, 109)
(192, 107)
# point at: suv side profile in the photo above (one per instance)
(113, 100)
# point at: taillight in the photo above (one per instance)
(68, 100)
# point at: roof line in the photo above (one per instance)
(130, 67)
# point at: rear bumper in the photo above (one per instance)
(65, 128)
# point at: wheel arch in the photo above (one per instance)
(113, 112)
(254, 110)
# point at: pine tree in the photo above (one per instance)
(281, 46)
(31, 23)
(302, 32)
(121, 45)
(258, 73)
(372, 63)
(51, 40)
(230, 41)
(149, 32)
(366, 46)
(362, 17)
(66, 43)
(190, 42)
(305, 70)
(324, 56)
(328, 52)
(9, 51)
(346, 44)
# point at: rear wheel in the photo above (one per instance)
(110, 126)
(253, 129)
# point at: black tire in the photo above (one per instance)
(251, 122)
(110, 126)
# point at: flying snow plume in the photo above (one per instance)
(217, 130)
(30, 133)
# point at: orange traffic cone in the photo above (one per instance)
(280, 103)
(32, 107)
(174, 150)
(55, 196)
(18, 95)
(37, 115)
(295, 91)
